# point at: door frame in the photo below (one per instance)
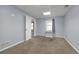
(25, 28)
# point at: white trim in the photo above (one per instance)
(11, 46)
(60, 36)
(76, 49)
(23, 41)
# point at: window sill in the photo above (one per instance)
(48, 32)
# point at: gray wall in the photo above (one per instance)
(12, 26)
(41, 27)
(59, 26)
(72, 26)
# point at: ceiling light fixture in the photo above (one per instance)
(47, 13)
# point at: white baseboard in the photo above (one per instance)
(57, 36)
(71, 45)
(76, 49)
(60, 36)
(11, 46)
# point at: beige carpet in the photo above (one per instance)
(42, 45)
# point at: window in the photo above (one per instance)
(49, 26)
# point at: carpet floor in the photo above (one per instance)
(42, 45)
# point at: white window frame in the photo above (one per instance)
(49, 26)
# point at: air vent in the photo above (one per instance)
(66, 5)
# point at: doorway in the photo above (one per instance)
(32, 28)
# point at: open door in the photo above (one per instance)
(27, 26)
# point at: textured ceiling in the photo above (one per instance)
(37, 10)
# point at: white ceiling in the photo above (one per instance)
(37, 10)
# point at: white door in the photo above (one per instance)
(28, 27)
